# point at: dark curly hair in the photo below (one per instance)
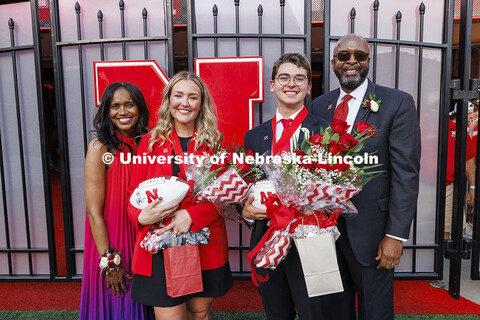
(103, 124)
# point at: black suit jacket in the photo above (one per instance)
(387, 204)
(259, 140)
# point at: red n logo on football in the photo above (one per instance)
(151, 196)
(264, 196)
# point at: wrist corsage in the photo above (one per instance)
(109, 261)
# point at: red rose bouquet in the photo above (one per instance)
(322, 175)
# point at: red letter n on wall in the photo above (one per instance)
(235, 84)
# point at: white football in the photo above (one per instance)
(170, 189)
(261, 190)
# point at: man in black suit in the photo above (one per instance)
(285, 288)
(371, 243)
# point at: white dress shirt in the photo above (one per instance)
(354, 105)
(279, 128)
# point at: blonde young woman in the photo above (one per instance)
(187, 120)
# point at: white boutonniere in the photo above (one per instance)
(372, 104)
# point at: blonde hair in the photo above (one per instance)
(205, 122)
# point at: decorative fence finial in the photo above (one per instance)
(100, 15)
(282, 3)
(144, 13)
(260, 10)
(399, 16)
(353, 13)
(375, 5)
(77, 7)
(215, 10)
(11, 24)
(422, 8)
(121, 4)
(237, 2)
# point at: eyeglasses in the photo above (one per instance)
(298, 79)
(345, 55)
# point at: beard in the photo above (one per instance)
(352, 82)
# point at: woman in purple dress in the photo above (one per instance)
(109, 235)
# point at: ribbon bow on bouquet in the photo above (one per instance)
(276, 242)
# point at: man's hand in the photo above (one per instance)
(115, 281)
(471, 197)
(389, 253)
(253, 213)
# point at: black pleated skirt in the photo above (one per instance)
(152, 290)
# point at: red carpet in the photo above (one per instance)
(411, 297)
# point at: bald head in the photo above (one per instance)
(350, 61)
(351, 41)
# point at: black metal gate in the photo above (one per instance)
(76, 44)
(463, 90)
(405, 54)
(242, 37)
(27, 247)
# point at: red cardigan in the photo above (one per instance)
(212, 255)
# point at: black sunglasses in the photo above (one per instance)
(345, 55)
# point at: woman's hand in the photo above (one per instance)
(115, 281)
(152, 214)
(180, 224)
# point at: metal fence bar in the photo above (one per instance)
(11, 25)
(169, 33)
(62, 138)
(110, 40)
(326, 46)
(121, 4)
(260, 53)
(82, 78)
(419, 102)
(100, 33)
(397, 50)
(237, 27)
(353, 13)
(215, 30)
(18, 48)
(29, 250)
(145, 43)
(375, 35)
(43, 140)
(282, 25)
(249, 36)
(5, 209)
(402, 42)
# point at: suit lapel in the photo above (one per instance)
(309, 123)
(332, 104)
(364, 113)
(266, 136)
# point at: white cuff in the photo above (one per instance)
(396, 238)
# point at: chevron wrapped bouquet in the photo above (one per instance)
(220, 179)
(321, 176)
